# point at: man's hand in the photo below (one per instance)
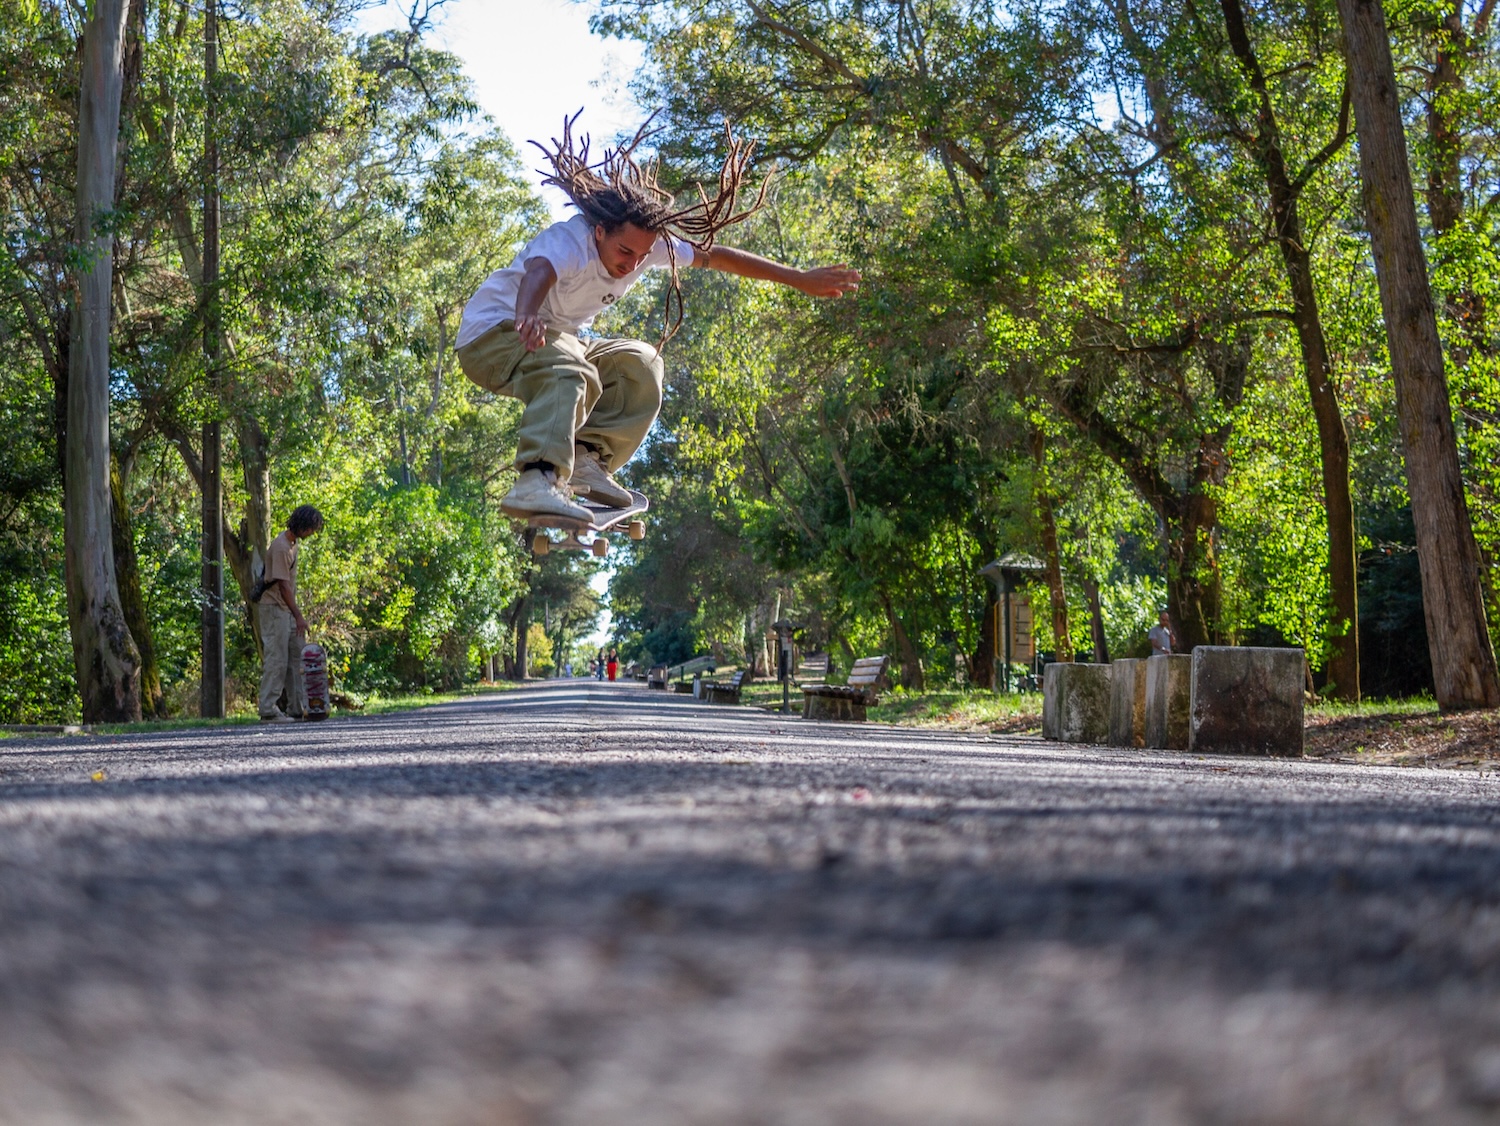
(301, 623)
(829, 281)
(536, 283)
(532, 331)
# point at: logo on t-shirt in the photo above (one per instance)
(611, 298)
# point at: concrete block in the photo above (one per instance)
(1127, 703)
(1246, 701)
(1169, 701)
(1075, 702)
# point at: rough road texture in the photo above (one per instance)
(599, 905)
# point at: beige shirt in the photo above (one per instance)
(281, 563)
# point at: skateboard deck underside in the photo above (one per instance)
(603, 520)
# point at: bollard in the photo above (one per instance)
(1127, 703)
(1169, 682)
(1075, 702)
(1246, 700)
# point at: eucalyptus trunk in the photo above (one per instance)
(1463, 663)
(104, 654)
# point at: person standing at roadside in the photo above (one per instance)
(613, 663)
(1163, 637)
(283, 629)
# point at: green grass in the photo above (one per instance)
(940, 708)
(957, 708)
(1409, 705)
(374, 704)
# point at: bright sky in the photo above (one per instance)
(532, 62)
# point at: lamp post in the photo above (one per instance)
(1007, 573)
(784, 629)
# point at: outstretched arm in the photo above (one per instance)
(824, 281)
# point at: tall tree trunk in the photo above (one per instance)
(1466, 309)
(1333, 440)
(132, 601)
(104, 655)
(1193, 593)
(1463, 663)
(982, 665)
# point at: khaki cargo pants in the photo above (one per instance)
(281, 650)
(605, 393)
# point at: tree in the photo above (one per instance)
(1463, 661)
(106, 659)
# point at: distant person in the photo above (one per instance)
(1163, 637)
(568, 670)
(283, 629)
(599, 666)
(612, 664)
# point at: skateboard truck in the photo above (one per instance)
(603, 521)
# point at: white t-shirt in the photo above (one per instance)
(584, 287)
(1161, 639)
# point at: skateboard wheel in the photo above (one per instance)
(636, 529)
(600, 546)
(541, 545)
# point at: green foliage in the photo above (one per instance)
(362, 204)
(1073, 340)
(404, 584)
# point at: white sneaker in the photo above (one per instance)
(279, 717)
(592, 480)
(537, 493)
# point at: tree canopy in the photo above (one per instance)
(1121, 312)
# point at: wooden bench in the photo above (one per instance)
(685, 675)
(723, 692)
(656, 677)
(846, 701)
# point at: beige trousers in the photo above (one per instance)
(605, 393)
(282, 663)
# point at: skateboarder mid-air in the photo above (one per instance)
(590, 402)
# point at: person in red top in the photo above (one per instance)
(613, 663)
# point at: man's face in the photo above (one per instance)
(1162, 619)
(623, 251)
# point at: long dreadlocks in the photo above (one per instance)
(620, 189)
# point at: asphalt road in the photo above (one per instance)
(591, 904)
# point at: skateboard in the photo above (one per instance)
(604, 521)
(315, 681)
